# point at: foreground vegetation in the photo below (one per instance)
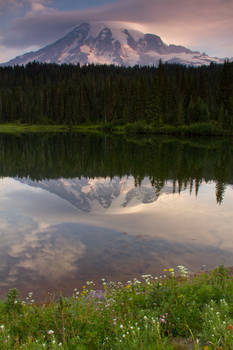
(168, 99)
(168, 312)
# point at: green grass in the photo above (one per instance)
(26, 128)
(140, 127)
(23, 128)
(172, 312)
(197, 129)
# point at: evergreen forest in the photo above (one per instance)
(167, 95)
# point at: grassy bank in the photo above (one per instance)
(168, 312)
(26, 128)
(197, 129)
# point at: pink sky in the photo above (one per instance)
(203, 25)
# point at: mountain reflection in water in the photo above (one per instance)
(80, 207)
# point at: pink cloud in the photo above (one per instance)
(200, 24)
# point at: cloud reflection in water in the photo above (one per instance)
(46, 239)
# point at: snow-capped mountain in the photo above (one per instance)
(89, 195)
(110, 43)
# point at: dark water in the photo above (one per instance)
(79, 207)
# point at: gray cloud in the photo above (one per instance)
(14, 5)
(201, 24)
(4, 5)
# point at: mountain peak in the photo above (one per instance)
(112, 43)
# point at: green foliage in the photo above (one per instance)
(171, 312)
(12, 304)
(202, 129)
(139, 127)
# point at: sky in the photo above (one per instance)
(203, 25)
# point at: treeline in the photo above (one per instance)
(187, 163)
(170, 94)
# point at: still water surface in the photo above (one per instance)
(78, 207)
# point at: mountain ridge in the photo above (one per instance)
(110, 43)
(87, 194)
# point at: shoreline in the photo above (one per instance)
(97, 284)
(138, 128)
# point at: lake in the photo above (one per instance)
(75, 208)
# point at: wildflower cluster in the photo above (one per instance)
(183, 271)
(143, 313)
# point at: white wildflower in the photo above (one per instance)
(182, 270)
